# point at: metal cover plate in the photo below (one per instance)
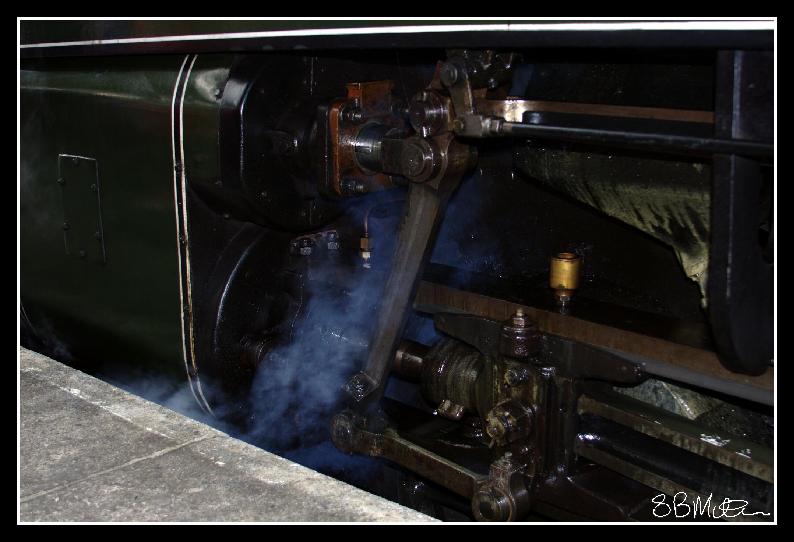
(78, 177)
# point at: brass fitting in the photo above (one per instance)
(564, 275)
(366, 251)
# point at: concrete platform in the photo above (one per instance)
(92, 452)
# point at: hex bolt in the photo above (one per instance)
(66, 226)
(305, 247)
(61, 182)
(332, 242)
(508, 422)
(518, 319)
(93, 188)
(516, 376)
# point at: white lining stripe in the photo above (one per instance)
(184, 208)
(438, 29)
(191, 334)
(178, 241)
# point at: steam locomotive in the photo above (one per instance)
(526, 265)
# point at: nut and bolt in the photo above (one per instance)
(518, 337)
(508, 422)
(518, 319)
(305, 247)
(332, 241)
(450, 410)
(516, 376)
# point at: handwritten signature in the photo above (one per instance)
(680, 508)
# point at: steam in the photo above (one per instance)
(297, 387)
(296, 390)
(173, 395)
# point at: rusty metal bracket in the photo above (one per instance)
(365, 103)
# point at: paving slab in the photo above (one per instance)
(90, 451)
